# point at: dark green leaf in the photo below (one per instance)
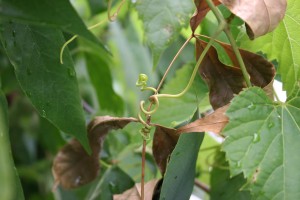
(113, 181)
(262, 141)
(98, 66)
(55, 13)
(51, 86)
(223, 187)
(180, 174)
(163, 21)
(10, 185)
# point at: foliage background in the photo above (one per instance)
(106, 86)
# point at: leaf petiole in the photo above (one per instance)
(235, 48)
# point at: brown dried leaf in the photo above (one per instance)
(261, 16)
(135, 192)
(213, 122)
(72, 166)
(201, 10)
(225, 81)
(164, 142)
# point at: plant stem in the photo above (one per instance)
(219, 30)
(143, 170)
(202, 186)
(235, 48)
(170, 65)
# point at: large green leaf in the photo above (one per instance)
(10, 185)
(283, 44)
(172, 111)
(100, 75)
(179, 178)
(54, 13)
(163, 21)
(224, 187)
(51, 86)
(262, 141)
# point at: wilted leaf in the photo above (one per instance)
(164, 142)
(73, 167)
(213, 122)
(201, 10)
(261, 16)
(225, 81)
(163, 21)
(135, 192)
(262, 141)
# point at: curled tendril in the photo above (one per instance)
(154, 101)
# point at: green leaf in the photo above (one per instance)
(10, 185)
(179, 178)
(55, 13)
(173, 111)
(113, 181)
(262, 141)
(51, 86)
(220, 179)
(163, 21)
(282, 44)
(98, 67)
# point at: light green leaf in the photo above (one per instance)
(173, 111)
(100, 75)
(10, 185)
(51, 86)
(55, 13)
(282, 44)
(180, 174)
(262, 141)
(224, 187)
(163, 21)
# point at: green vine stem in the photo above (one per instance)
(171, 64)
(194, 73)
(235, 48)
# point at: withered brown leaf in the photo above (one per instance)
(72, 166)
(135, 192)
(225, 81)
(261, 16)
(164, 142)
(213, 122)
(201, 10)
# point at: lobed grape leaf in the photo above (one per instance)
(283, 44)
(262, 141)
(163, 21)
